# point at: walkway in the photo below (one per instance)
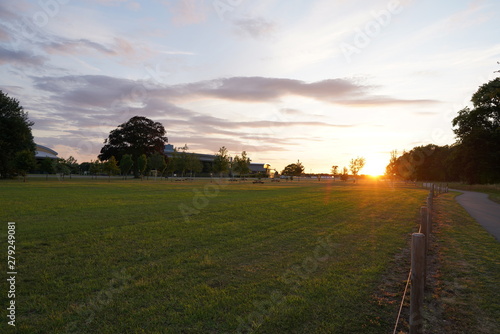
(482, 209)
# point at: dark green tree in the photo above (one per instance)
(72, 163)
(111, 167)
(95, 168)
(292, 170)
(136, 137)
(157, 162)
(478, 136)
(61, 168)
(126, 164)
(47, 167)
(15, 133)
(142, 164)
(194, 164)
(24, 161)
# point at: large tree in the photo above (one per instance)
(478, 136)
(292, 170)
(136, 137)
(15, 133)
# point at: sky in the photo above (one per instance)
(320, 81)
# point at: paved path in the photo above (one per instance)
(482, 209)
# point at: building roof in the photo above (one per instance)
(43, 152)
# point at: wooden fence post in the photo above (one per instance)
(430, 209)
(417, 283)
(424, 228)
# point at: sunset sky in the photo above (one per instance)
(321, 81)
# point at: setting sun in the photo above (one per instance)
(375, 165)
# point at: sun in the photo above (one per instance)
(375, 165)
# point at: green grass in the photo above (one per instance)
(122, 257)
(466, 292)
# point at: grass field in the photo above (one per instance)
(464, 297)
(170, 257)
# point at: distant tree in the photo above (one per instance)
(345, 174)
(95, 168)
(193, 164)
(356, 165)
(391, 168)
(84, 167)
(15, 134)
(126, 164)
(295, 169)
(61, 168)
(181, 158)
(142, 163)
(157, 162)
(136, 137)
(24, 161)
(478, 136)
(111, 167)
(73, 165)
(221, 161)
(241, 164)
(335, 170)
(47, 167)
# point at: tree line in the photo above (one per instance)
(475, 156)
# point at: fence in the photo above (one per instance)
(420, 243)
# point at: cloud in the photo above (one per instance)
(262, 89)
(187, 12)
(64, 46)
(20, 58)
(256, 27)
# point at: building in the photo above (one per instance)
(208, 159)
(42, 152)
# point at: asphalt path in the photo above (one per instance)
(482, 209)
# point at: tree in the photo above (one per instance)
(136, 137)
(142, 163)
(126, 164)
(95, 168)
(61, 168)
(24, 161)
(292, 170)
(335, 170)
(15, 134)
(111, 167)
(73, 165)
(47, 167)
(241, 164)
(157, 162)
(478, 136)
(356, 165)
(424, 163)
(345, 174)
(221, 161)
(391, 168)
(193, 164)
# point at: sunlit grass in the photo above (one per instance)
(122, 257)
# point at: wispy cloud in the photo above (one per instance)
(20, 58)
(186, 12)
(255, 27)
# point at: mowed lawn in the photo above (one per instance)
(197, 257)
